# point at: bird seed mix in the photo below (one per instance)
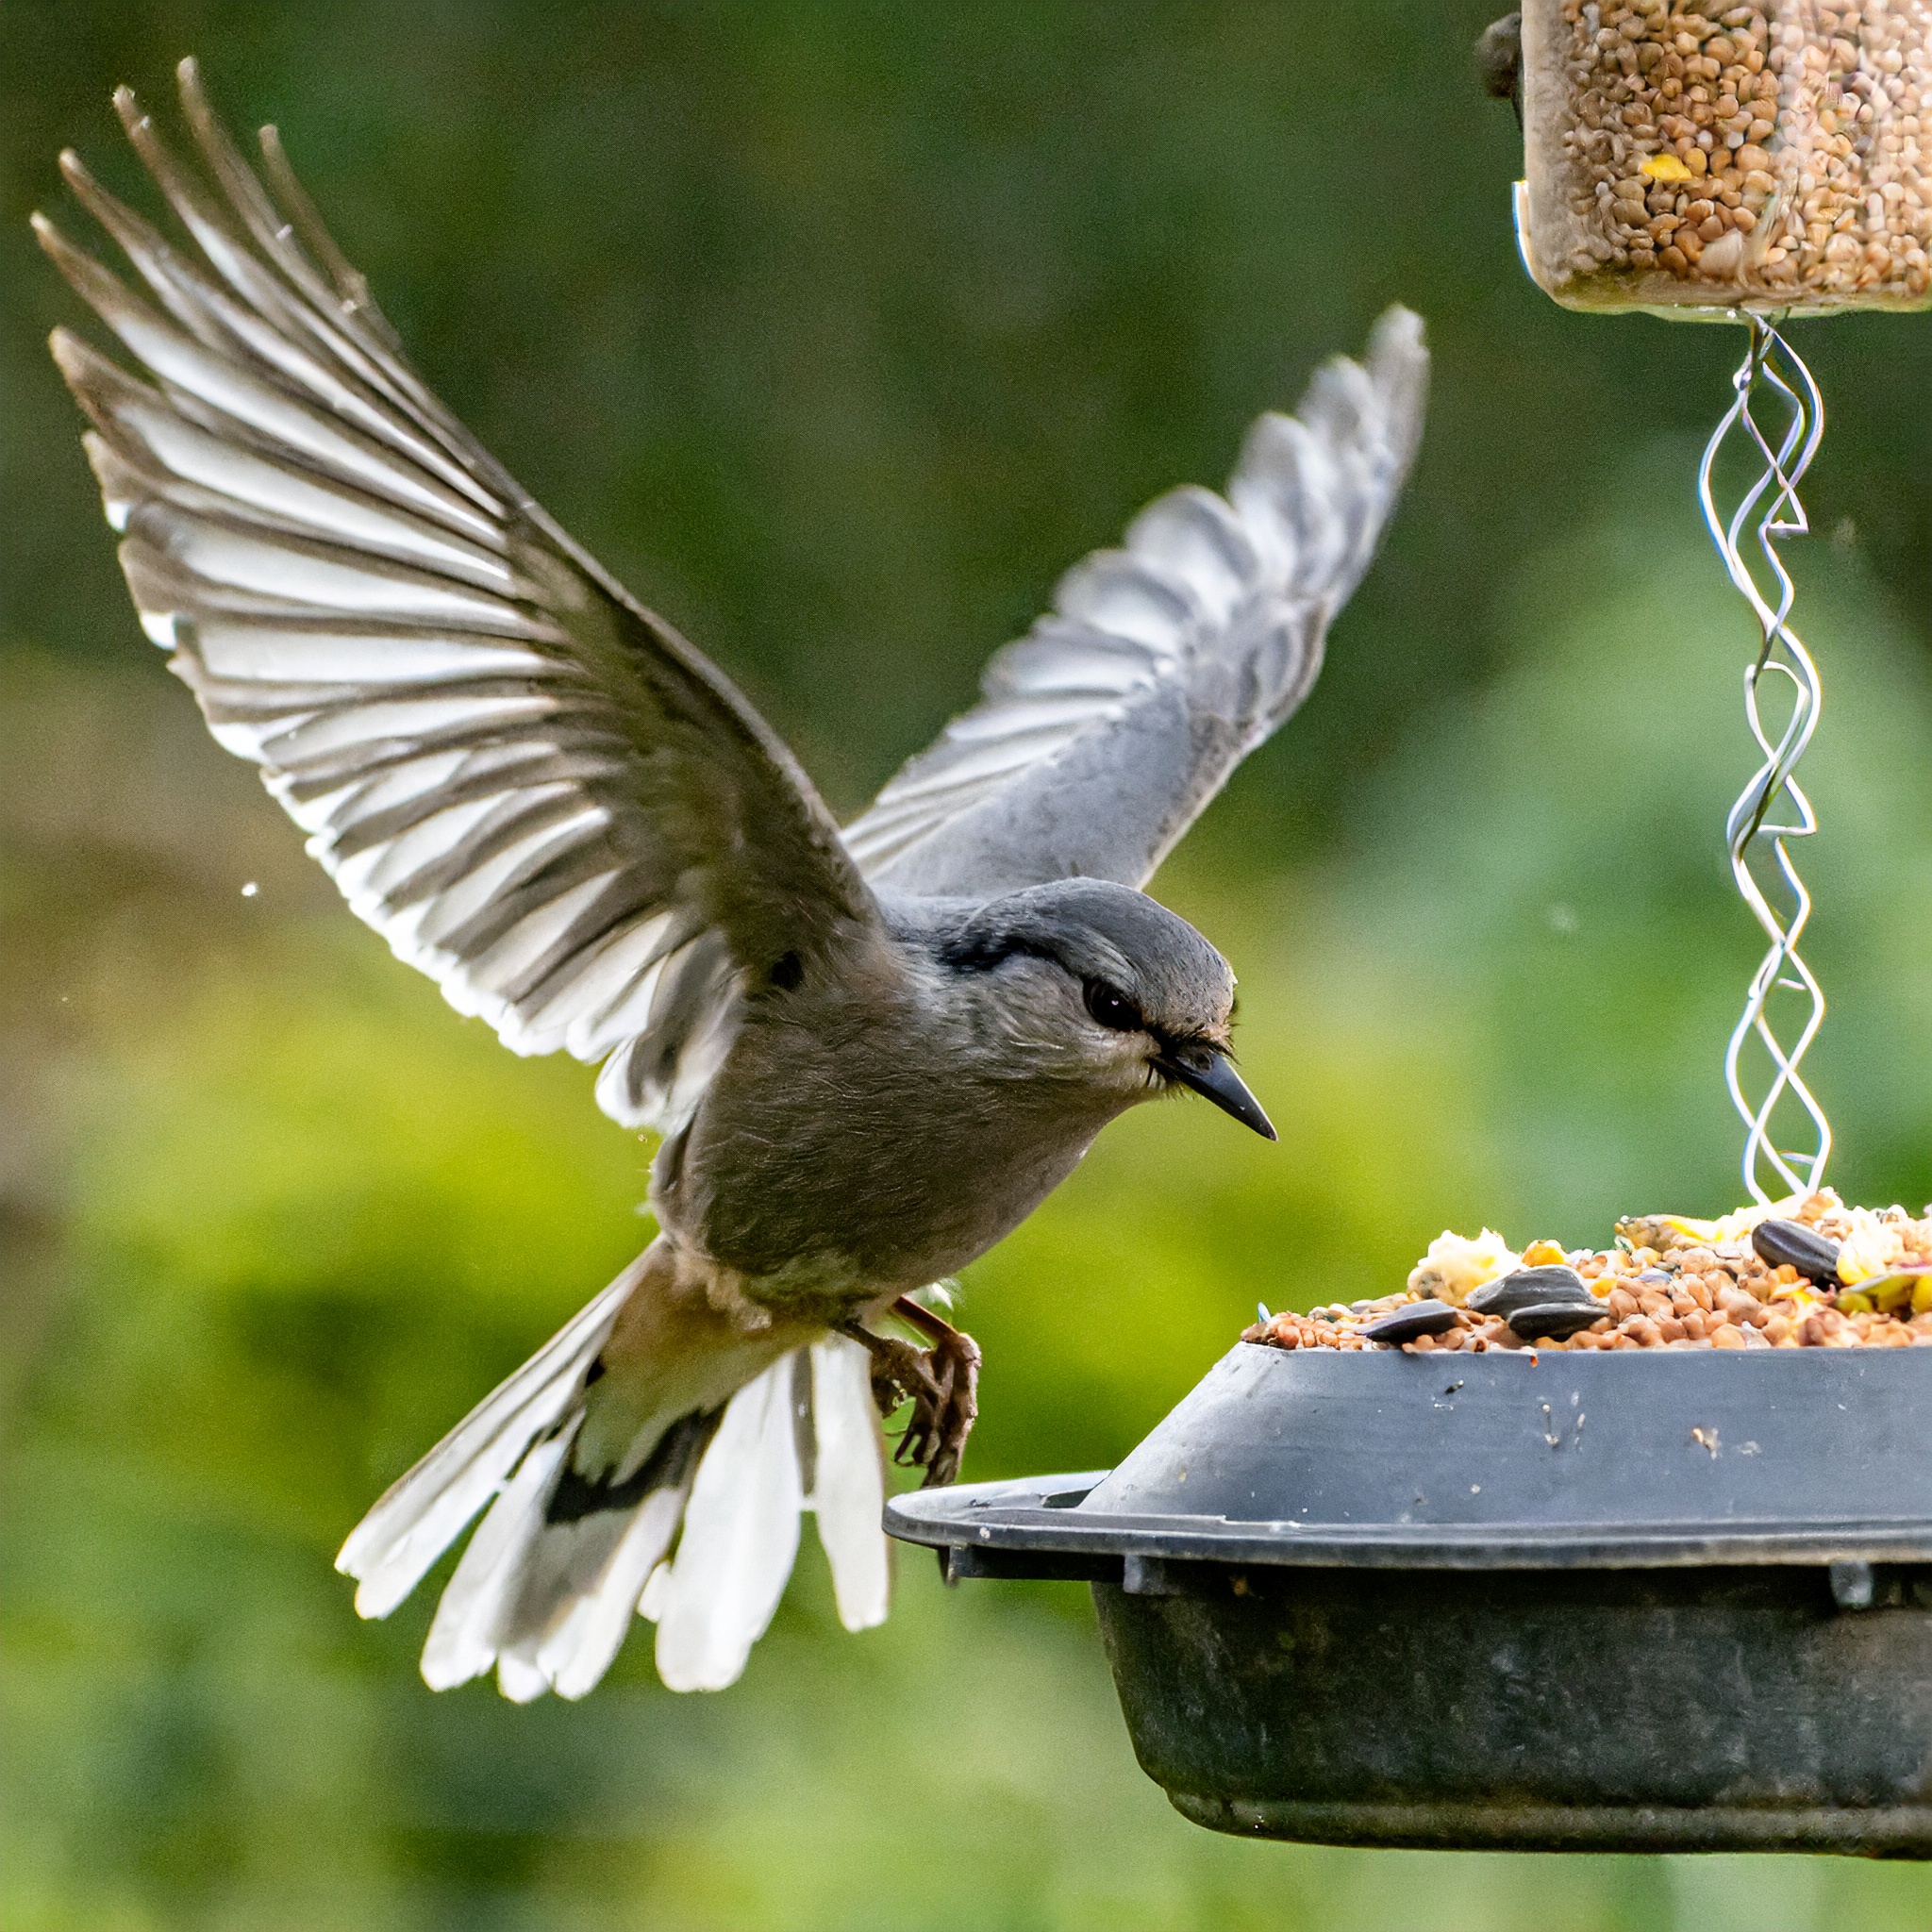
(1803, 1273)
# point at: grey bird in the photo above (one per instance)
(1498, 54)
(871, 1054)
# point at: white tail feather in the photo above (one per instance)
(421, 1514)
(590, 1635)
(549, 1602)
(849, 1482)
(581, 1581)
(519, 1679)
(463, 1636)
(741, 1535)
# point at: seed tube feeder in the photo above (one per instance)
(1749, 165)
(1534, 1599)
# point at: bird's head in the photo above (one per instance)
(1098, 982)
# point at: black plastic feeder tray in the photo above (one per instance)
(1523, 1600)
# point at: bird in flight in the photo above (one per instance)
(871, 1052)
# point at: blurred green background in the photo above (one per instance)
(838, 331)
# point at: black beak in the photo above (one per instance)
(1211, 1073)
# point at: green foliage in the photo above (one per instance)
(839, 330)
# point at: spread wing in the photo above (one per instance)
(1104, 732)
(529, 784)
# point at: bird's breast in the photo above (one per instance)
(848, 1160)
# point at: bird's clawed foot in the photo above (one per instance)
(940, 1382)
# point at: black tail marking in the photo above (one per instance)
(577, 1496)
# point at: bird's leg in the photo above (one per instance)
(941, 1383)
(938, 1441)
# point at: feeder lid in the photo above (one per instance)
(1509, 1460)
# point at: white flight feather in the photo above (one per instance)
(353, 587)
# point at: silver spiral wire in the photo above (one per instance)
(1783, 996)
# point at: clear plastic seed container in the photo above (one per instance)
(1770, 157)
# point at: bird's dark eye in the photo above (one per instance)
(1111, 1008)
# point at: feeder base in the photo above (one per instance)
(1661, 1710)
(1897, 1832)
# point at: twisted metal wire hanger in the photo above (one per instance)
(1771, 809)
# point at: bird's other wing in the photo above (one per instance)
(1105, 730)
(529, 784)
